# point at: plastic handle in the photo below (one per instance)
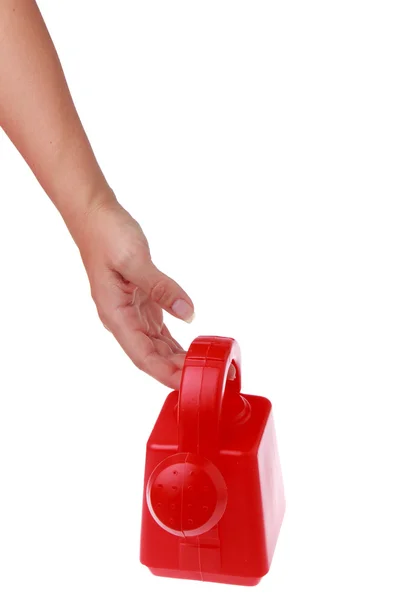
(203, 385)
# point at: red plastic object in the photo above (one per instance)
(213, 498)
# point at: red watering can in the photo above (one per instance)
(213, 498)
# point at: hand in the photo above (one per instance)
(130, 292)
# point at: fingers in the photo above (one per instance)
(179, 359)
(163, 347)
(232, 372)
(153, 356)
(165, 334)
(151, 348)
(147, 357)
(163, 290)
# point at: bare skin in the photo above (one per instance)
(38, 115)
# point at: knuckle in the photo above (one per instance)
(127, 257)
(159, 292)
(122, 260)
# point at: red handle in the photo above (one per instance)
(203, 386)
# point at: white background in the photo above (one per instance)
(258, 145)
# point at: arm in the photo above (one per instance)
(37, 112)
(38, 115)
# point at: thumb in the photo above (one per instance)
(164, 291)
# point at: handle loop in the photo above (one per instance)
(204, 384)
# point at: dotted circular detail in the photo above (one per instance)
(186, 495)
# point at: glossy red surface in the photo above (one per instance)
(213, 499)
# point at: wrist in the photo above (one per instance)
(78, 212)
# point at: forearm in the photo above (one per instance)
(38, 115)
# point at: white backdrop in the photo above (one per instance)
(258, 146)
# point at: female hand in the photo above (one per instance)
(130, 292)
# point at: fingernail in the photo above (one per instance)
(183, 310)
(232, 373)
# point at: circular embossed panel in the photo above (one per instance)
(186, 495)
